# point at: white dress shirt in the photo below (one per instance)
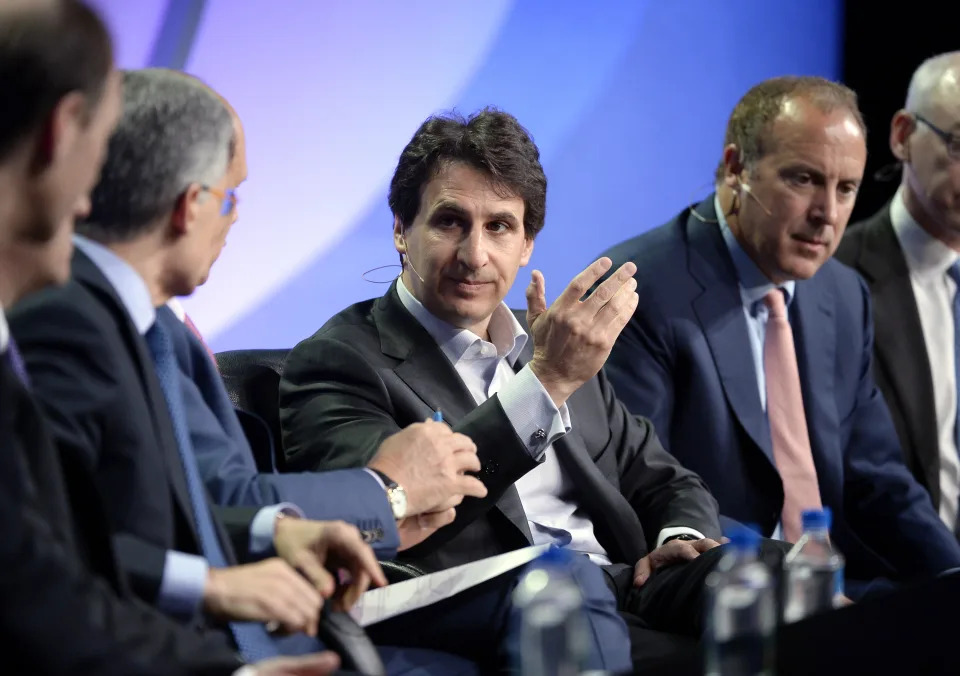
(486, 368)
(928, 260)
(4, 331)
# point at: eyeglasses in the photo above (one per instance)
(228, 198)
(952, 141)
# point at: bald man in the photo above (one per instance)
(907, 252)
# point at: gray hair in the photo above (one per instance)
(929, 79)
(174, 131)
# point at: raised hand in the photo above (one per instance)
(573, 337)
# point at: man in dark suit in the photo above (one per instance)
(228, 469)
(563, 461)
(907, 252)
(67, 606)
(752, 351)
(93, 366)
(110, 395)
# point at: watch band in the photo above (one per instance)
(681, 536)
(387, 481)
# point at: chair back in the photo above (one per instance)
(252, 379)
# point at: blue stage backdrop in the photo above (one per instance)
(627, 100)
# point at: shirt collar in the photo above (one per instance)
(126, 281)
(925, 254)
(506, 333)
(4, 331)
(754, 285)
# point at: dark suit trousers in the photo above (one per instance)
(665, 617)
(482, 624)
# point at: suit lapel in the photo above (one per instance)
(429, 374)
(719, 309)
(898, 333)
(87, 273)
(815, 340)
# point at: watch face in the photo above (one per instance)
(398, 502)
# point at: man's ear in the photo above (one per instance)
(399, 241)
(732, 166)
(186, 210)
(60, 131)
(902, 125)
(527, 251)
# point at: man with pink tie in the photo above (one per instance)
(751, 350)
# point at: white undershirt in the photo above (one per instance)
(928, 260)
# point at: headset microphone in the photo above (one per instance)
(747, 189)
(406, 261)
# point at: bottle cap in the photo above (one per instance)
(817, 519)
(745, 537)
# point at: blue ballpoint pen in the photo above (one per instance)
(438, 416)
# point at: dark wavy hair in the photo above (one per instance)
(491, 141)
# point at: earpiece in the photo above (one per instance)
(406, 260)
(747, 189)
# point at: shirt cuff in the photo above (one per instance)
(377, 479)
(248, 670)
(264, 525)
(182, 585)
(678, 530)
(535, 418)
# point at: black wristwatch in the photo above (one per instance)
(681, 536)
(396, 496)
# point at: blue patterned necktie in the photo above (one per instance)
(252, 638)
(954, 272)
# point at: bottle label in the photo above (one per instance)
(838, 584)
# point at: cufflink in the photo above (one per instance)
(539, 436)
(369, 536)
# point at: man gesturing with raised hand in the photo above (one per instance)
(573, 337)
(562, 461)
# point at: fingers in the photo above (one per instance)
(612, 286)
(470, 486)
(613, 316)
(581, 283)
(641, 572)
(364, 562)
(284, 596)
(435, 520)
(467, 461)
(312, 568)
(299, 603)
(673, 552)
(536, 296)
(706, 544)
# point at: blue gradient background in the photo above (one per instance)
(627, 101)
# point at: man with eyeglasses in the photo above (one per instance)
(908, 254)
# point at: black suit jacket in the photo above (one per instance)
(373, 369)
(901, 366)
(67, 607)
(94, 375)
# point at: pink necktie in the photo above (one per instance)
(788, 423)
(193, 328)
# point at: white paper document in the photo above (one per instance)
(380, 604)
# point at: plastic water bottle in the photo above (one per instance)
(813, 569)
(741, 611)
(553, 633)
